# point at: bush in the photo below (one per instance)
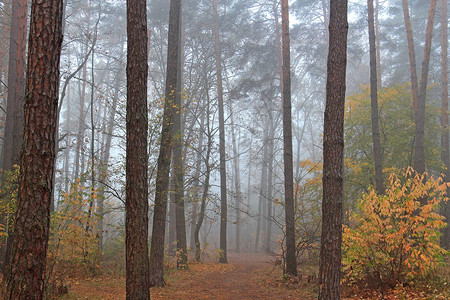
(394, 238)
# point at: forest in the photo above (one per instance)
(224, 149)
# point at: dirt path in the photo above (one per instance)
(246, 276)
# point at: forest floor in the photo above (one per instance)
(246, 276)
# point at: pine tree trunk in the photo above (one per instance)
(178, 160)
(80, 135)
(419, 160)
(291, 261)
(263, 186)
(16, 98)
(377, 37)
(6, 13)
(201, 214)
(419, 90)
(445, 152)
(196, 184)
(237, 181)
(165, 151)
(333, 154)
(136, 223)
(171, 219)
(268, 240)
(26, 277)
(376, 143)
(107, 152)
(223, 173)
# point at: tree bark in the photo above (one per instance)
(109, 133)
(80, 134)
(377, 37)
(291, 261)
(223, 173)
(26, 277)
(445, 152)
(4, 43)
(16, 97)
(136, 223)
(201, 214)
(237, 182)
(178, 161)
(165, 151)
(419, 159)
(268, 240)
(333, 154)
(196, 184)
(263, 186)
(419, 90)
(377, 157)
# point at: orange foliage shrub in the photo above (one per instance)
(393, 238)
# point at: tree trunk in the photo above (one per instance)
(171, 219)
(237, 181)
(136, 223)
(19, 94)
(333, 154)
(419, 90)
(16, 97)
(291, 262)
(223, 173)
(263, 186)
(268, 241)
(178, 161)
(445, 239)
(6, 13)
(201, 214)
(80, 134)
(165, 151)
(374, 103)
(377, 37)
(107, 152)
(26, 278)
(419, 161)
(92, 160)
(196, 184)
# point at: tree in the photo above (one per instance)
(333, 154)
(16, 84)
(223, 173)
(137, 261)
(291, 260)
(208, 132)
(26, 276)
(445, 153)
(165, 151)
(419, 89)
(374, 103)
(178, 168)
(16, 96)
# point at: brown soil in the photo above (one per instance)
(246, 276)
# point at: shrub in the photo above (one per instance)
(394, 239)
